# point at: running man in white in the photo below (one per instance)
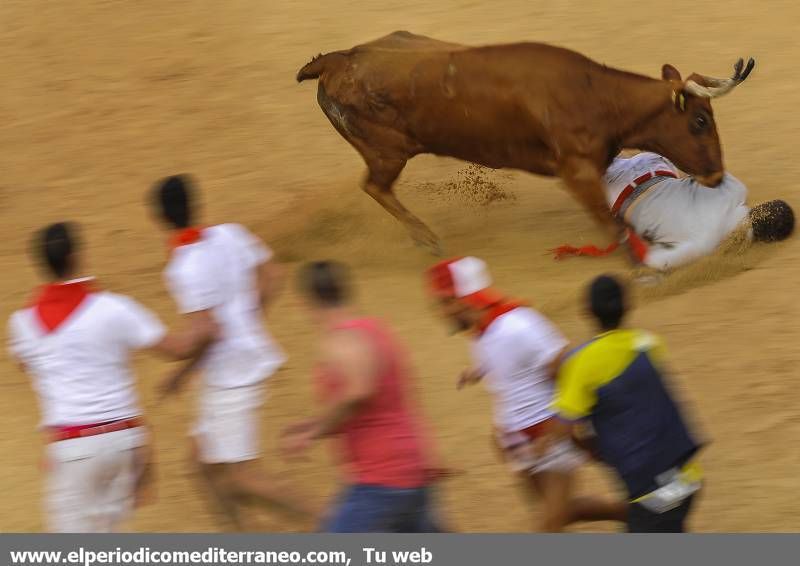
(681, 220)
(75, 342)
(517, 352)
(226, 274)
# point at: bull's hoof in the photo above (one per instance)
(428, 241)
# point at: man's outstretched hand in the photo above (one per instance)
(469, 376)
(296, 439)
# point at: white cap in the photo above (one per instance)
(460, 277)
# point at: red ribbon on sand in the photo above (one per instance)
(636, 244)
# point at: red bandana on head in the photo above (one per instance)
(185, 237)
(57, 301)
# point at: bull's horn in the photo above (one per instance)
(713, 88)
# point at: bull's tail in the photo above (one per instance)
(317, 66)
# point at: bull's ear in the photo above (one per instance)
(670, 73)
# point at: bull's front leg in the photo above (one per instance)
(585, 182)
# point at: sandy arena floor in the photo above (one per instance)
(101, 97)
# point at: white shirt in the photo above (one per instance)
(623, 171)
(218, 272)
(81, 370)
(514, 352)
(686, 220)
(681, 219)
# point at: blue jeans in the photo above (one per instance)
(376, 509)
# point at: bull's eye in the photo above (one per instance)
(699, 124)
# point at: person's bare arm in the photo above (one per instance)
(353, 358)
(20, 364)
(186, 344)
(470, 376)
(555, 363)
(189, 345)
(177, 379)
(15, 344)
(271, 278)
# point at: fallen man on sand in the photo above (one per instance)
(679, 220)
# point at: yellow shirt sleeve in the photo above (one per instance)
(575, 395)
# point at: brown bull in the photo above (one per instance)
(527, 106)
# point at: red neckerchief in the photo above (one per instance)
(185, 236)
(495, 311)
(57, 301)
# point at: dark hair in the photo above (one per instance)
(173, 196)
(57, 243)
(326, 282)
(607, 301)
(772, 221)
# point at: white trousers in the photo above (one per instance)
(563, 456)
(227, 427)
(90, 482)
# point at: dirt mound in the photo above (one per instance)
(474, 186)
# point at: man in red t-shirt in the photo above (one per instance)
(364, 382)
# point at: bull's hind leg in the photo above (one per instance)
(381, 175)
(383, 165)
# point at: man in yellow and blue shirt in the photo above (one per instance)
(614, 383)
